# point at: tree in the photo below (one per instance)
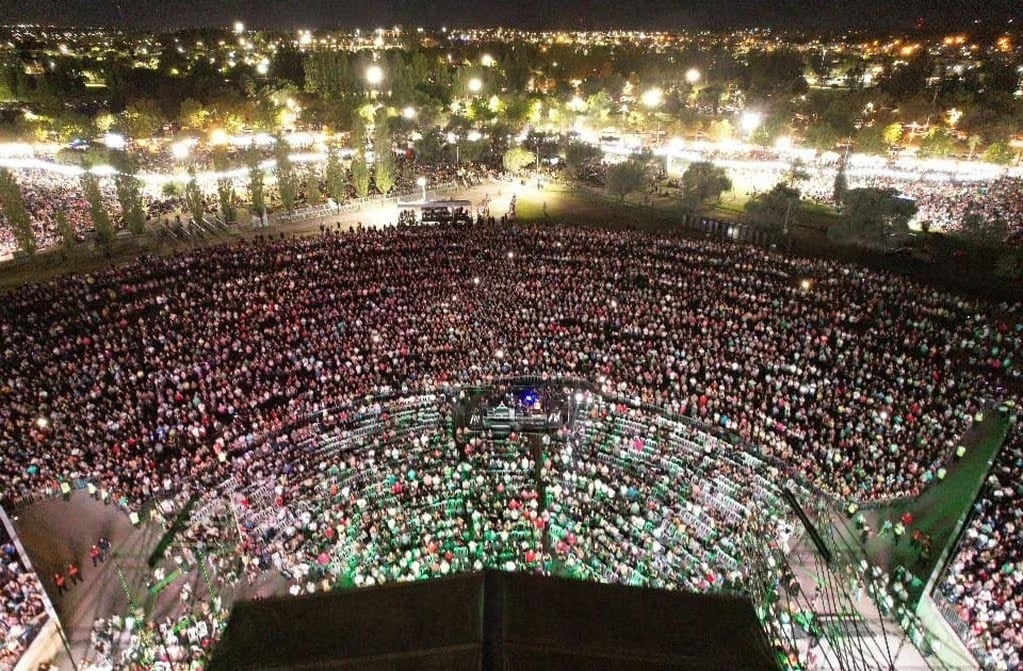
(336, 176)
(840, 187)
(624, 178)
(383, 161)
(1010, 265)
(194, 201)
(287, 180)
(776, 72)
(517, 158)
(360, 176)
(97, 210)
(193, 114)
(384, 172)
(65, 230)
(581, 157)
(257, 196)
(774, 210)
(972, 142)
(893, 134)
(225, 185)
(822, 135)
(128, 188)
(984, 230)
(702, 182)
(999, 152)
(874, 216)
(313, 195)
(18, 219)
(871, 140)
(721, 130)
(938, 142)
(141, 119)
(797, 172)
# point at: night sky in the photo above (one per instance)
(572, 14)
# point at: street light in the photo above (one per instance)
(180, 150)
(453, 139)
(409, 113)
(422, 183)
(474, 136)
(475, 85)
(750, 122)
(692, 76)
(114, 141)
(487, 61)
(652, 97)
(374, 75)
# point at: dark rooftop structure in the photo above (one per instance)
(495, 621)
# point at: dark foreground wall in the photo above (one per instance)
(496, 621)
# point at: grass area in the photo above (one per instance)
(585, 207)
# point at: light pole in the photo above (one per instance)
(453, 139)
(374, 75)
(652, 99)
(749, 122)
(538, 166)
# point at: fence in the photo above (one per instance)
(961, 628)
(730, 230)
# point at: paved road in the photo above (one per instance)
(56, 532)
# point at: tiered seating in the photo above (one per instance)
(667, 496)
(505, 510)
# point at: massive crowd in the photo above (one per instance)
(984, 580)
(22, 610)
(45, 193)
(863, 380)
(173, 375)
(944, 199)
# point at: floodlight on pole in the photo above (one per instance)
(374, 75)
(750, 121)
(475, 85)
(474, 136)
(692, 76)
(180, 150)
(218, 136)
(487, 61)
(652, 97)
(409, 112)
(453, 139)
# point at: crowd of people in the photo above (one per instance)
(171, 375)
(22, 606)
(170, 644)
(944, 199)
(140, 376)
(45, 193)
(984, 580)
